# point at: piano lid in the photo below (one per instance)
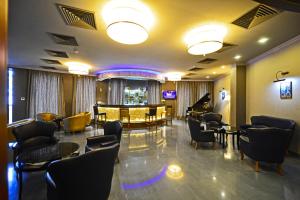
(199, 104)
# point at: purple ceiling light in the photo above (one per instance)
(130, 73)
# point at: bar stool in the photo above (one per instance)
(124, 113)
(151, 117)
(97, 114)
(169, 114)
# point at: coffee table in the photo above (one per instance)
(38, 159)
(229, 131)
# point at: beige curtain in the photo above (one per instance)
(84, 94)
(189, 92)
(116, 91)
(154, 92)
(46, 93)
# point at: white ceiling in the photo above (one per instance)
(164, 51)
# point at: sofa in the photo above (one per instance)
(266, 139)
(88, 176)
(32, 134)
(264, 121)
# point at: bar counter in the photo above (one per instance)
(137, 113)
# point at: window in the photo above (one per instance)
(10, 95)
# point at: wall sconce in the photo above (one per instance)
(223, 94)
(282, 75)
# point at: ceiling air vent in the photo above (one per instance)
(195, 69)
(290, 5)
(63, 39)
(48, 67)
(256, 16)
(77, 17)
(60, 54)
(207, 61)
(52, 62)
(190, 74)
(226, 46)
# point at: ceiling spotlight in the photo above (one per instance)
(237, 57)
(214, 72)
(282, 74)
(223, 66)
(263, 40)
(127, 21)
(205, 39)
(78, 68)
(207, 77)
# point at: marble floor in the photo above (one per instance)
(207, 173)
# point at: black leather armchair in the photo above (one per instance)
(112, 135)
(32, 135)
(198, 134)
(213, 121)
(265, 144)
(87, 176)
(269, 122)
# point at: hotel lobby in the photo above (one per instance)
(141, 99)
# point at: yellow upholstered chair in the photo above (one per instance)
(46, 117)
(76, 123)
(87, 116)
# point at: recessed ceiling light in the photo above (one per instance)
(237, 57)
(263, 40)
(214, 72)
(223, 66)
(207, 77)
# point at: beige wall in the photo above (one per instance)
(262, 95)
(222, 106)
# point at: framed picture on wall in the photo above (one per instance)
(286, 90)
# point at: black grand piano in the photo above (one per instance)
(202, 106)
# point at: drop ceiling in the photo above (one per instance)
(31, 21)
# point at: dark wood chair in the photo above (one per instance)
(98, 115)
(169, 114)
(151, 118)
(124, 113)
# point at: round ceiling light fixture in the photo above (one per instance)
(174, 76)
(78, 68)
(205, 39)
(127, 21)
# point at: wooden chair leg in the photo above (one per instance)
(242, 155)
(256, 166)
(196, 145)
(279, 169)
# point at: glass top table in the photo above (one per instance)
(47, 154)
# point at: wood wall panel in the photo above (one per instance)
(3, 100)
(170, 85)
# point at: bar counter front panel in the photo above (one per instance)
(137, 113)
